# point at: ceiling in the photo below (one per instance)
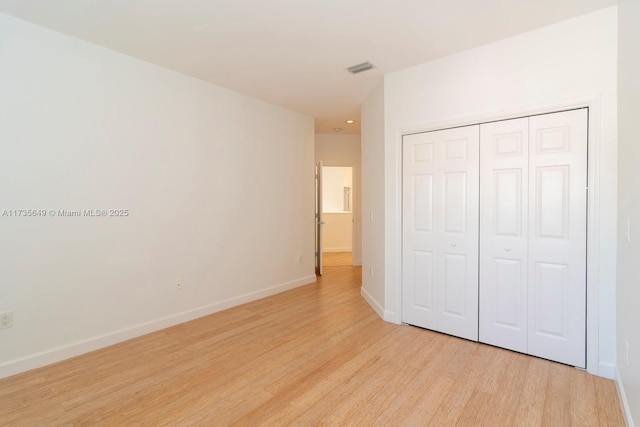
(294, 52)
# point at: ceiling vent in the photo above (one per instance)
(355, 69)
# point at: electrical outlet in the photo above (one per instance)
(371, 272)
(299, 257)
(178, 285)
(6, 320)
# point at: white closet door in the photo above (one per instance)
(421, 174)
(557, 236)
(504, 156)
(440, 231)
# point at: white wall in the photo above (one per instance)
(344, 150)
(83, 127)
(334, 181)
(337, 232)
(628, 287)
(542, 69)
(373, 201)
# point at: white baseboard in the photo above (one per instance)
(626, 410)
(386, 315)
(336, 249)
(56, 354)
(390, 316)
(372, 302)
(607, 370)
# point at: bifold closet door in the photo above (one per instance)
(533, 196)
(440, 231)
(558, 236)
(504, 184)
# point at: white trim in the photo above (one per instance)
(626, 410)
(386, 315)
(375, 305)
(607, 370)
(357, 262)
(392, 317)
(593, 236)
(593, 239)
(355, 218)
(37, 360)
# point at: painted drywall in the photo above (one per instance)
(551, 66)
(373, 200)
(335, 179)
(218, 190)
(337, 233)
(344, 150)
(628, 286)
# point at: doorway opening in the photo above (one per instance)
(334, 214)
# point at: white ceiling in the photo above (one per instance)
(293, 52)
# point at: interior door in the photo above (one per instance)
(557, 236)
(504, 155)
(440, 231)
(319, 221)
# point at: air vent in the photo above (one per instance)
(355, 69)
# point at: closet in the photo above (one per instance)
(494, 233)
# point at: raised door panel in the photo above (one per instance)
(552, 202)
(507, 294)
(551, 286)
(503, 241)
(507, 201)
(454, 282)
(557, 236)
(455, 202)
(422, 272)
(422, 196)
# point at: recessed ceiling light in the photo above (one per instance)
(337, 129)
(358, 68)
(349, 122)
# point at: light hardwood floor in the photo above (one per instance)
(315, 355)
(336, 259)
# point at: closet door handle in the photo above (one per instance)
(507, 248)
(453, 245)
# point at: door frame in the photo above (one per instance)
(318, 218)
(393, 286)
(355, 210)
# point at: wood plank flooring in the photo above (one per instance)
(336, 259)
(315, 355)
